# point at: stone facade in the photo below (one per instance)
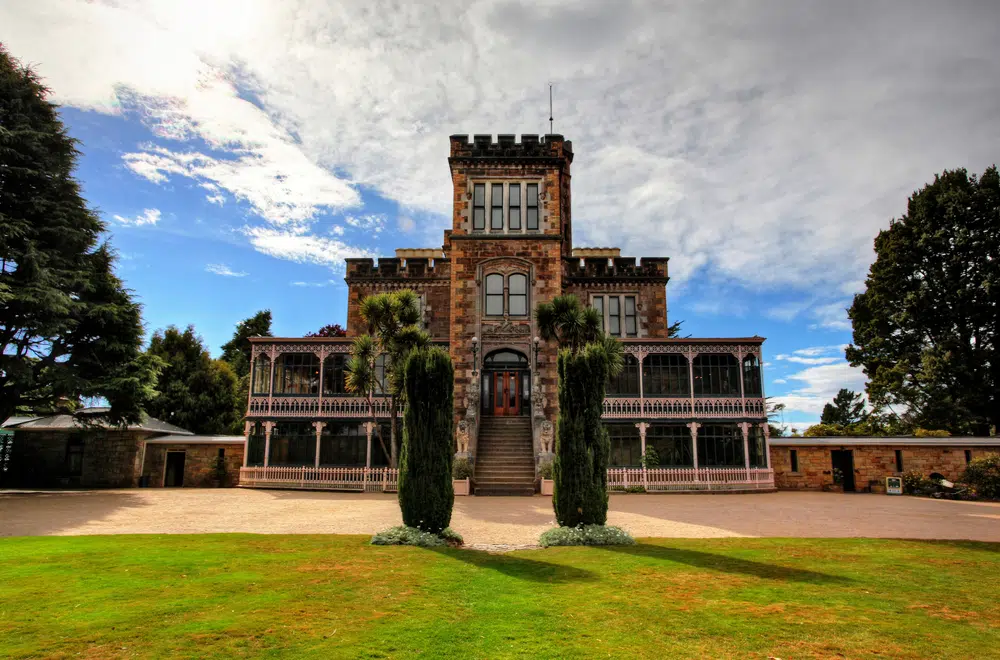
(106, 458)
(872, 463)
(199, 463)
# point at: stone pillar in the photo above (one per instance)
(246, 441)
(745, 427)
(319, 434)
(369, 428)
(267, 442)
(694, 426)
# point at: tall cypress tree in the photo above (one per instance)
(426, 494)
(68, 326)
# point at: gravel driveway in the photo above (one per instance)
(490, 520)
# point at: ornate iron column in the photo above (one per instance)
(369, 427)
(267, 442)
(694, 426)
(767, 443)
(745, 427)
(246, 441)
(642, 426)
(319, 426)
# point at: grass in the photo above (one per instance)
(237, 595)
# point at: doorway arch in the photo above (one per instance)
(506, 383)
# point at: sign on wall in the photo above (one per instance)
(893, 485)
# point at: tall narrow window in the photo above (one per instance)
(517, 295)
(494, 295)
(297, 373)
(793, 455)
(262, 375)
(479, 207)
(496, 207)
(751, 376)
(968, 456)
(74, 456)
(631, 327)
(532, 206)
(514, 206)
(899, 460)
(334, 377)
(598, 304)
(614, 316)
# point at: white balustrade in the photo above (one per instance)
(680, 479)
(352, 407)
(370, 480)
(619, 407)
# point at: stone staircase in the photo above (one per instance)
(505, 457)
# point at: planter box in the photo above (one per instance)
(547, 486)
(833, 488)
(461, 486)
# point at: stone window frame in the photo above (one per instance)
(505, 278)
(606, 312)
(504, 266)
(488, 207)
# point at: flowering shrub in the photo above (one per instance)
(461, 468)
(983, 475)
(403, 535)
(586, 535)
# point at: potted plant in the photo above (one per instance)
(461, 472)
(545, 472)
(838, 482)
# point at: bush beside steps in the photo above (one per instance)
(586, 535)
(403, 535)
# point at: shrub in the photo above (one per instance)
(461, 469)
(426, 493)
(404, 535)
(545, 469)
(927, 433)
(915, 483)
(650, 459)
(983, 475)
(838, 476)
(586, 535)
(635, 489)
(823, 430)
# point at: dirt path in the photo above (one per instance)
(491, 520)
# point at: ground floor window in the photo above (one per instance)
(255, 445)
(346, 444)
(293, 444)
(758, 448)
(626, 445)
(672, 443)
(720, 445)
(74, 456)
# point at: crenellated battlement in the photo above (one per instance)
(506, 146)
(389, 268)
(619, 268)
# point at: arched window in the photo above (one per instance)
(297, 373)
(333, 375)
(665, 375)
(716, 375)
(505, 360)
(494, 294)
(261, 375)
(751, 376)
(506, 296)
(517, 294)
(625, 383)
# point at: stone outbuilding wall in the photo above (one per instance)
(105, 459)
(199, 463)
(874, 459)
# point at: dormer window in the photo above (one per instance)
(513, 207)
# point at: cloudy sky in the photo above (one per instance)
(240, 150)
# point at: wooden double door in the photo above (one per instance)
(507, 390)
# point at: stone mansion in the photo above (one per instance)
(698, 402)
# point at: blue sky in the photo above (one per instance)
(240, 150)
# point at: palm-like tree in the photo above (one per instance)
(575, 327)
(393, 332)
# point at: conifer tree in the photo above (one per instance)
(426, 494)
(68, 326)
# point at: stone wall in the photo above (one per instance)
(651, 302)
(872, 464)
(430, 280)
(199, 463)
(109, 459)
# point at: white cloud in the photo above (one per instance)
(315, 284)
(779, 381)
(406, 224)
(303, 248)
(224, 270)
(832, 316)
(698, 128)
(147, 217)
(820, 385)
(807, 360)
(337, 230)
(813, 351)
(372, 222)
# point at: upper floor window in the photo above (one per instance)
(618, 315)
(716, 375)
(333, 374)
(626, 383)
(665, 375)
(261, 375)
(509, 204)
(508, 296)
(297, 373)
(751, 376)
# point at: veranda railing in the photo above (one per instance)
(669, 479)
(368, 480)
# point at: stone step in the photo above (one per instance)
(502, 491)
(501, 483)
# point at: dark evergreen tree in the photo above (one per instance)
(68, 326)
(236, 351)
(846, 409)
(586, 360)
(426, 495)
(194, 391)
(925, 329)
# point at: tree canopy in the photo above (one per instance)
(925, 328)
(331, 330)
(236, 351)
(846, 408)
(194, 391)
(68, 326)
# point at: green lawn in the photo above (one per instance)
(236, 595)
